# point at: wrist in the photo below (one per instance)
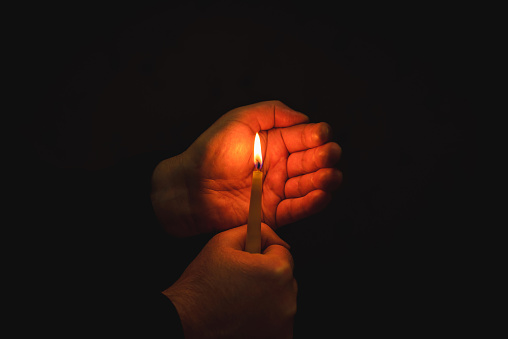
(183, 299)
(170, 196)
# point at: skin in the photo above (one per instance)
(207, 188)
(226, 292)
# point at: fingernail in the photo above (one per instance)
(324, 132)
(327, 130)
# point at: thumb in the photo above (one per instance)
(269, 238)
(274, 248)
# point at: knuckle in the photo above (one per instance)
(319, 158)
(282, 270)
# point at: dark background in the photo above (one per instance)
(388, 254)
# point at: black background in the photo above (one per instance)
(388, 254)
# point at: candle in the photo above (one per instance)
(253, 241)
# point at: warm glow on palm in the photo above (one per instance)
(297, 169)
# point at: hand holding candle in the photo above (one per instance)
(232, 293)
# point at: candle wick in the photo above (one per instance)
(258, 165)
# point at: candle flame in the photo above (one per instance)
(258, 158)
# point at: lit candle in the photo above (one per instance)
(253, 241)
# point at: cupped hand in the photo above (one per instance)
(229, 293)
(207, 188)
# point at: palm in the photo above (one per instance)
(223, 162)
(207, 188)
(225, 176)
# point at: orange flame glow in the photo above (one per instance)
(258, 158)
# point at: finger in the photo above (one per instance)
(291, 210)
(326, 179)
(235, 237)
(269, 114)
(302, 137)
(280, 258)
(313, 159)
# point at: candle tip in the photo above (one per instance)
(258, 158)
